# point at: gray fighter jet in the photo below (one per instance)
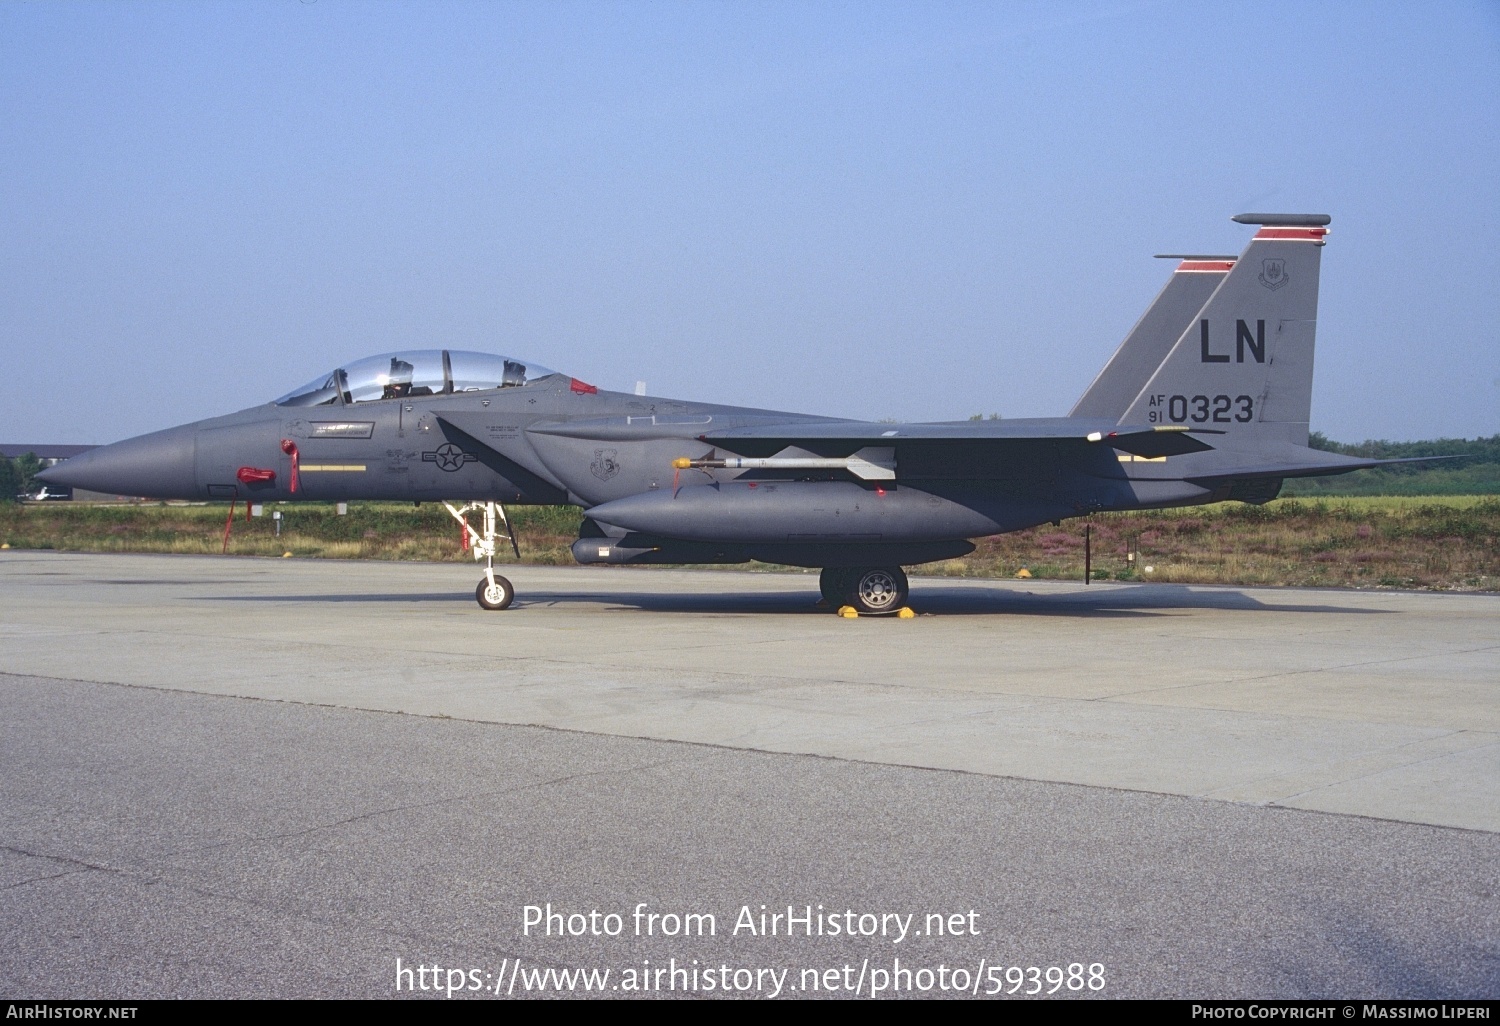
(1207, 399)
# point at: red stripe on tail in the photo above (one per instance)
(1294, 234)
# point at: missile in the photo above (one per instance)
(873, 463)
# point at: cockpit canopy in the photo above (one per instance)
(414, 373)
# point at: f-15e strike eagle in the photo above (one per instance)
(1207, 399)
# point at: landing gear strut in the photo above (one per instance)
(494, 591)
(869, 589)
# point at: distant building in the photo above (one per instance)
(48, 454)
(51, 455)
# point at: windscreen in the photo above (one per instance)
(419, 372)
(320, 391)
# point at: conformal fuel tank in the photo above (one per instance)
(819, 511)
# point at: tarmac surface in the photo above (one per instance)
(1209, 792)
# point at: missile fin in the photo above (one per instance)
(874, 463)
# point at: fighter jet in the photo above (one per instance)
(1207, 399)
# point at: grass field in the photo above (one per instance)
(1437, 543)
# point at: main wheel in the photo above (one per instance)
(878, 589)
(497, 597)
(833, 582)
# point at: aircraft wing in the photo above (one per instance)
(840, 438)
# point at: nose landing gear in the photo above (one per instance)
(494, 591)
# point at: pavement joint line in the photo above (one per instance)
(55, 876)
(1370, 754)
(251, 640)
(79, 864)
(219, 635)
(166, 877)
(775, 753)
(1403, 765)
(531, 660)
(780, 684)
(560, 661)
(1295, 673)
(376, 813)
(743, 737)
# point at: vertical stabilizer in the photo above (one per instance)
(1245, 364)
(1153, 336)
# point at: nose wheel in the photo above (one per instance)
(494, 591)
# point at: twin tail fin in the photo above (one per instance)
(1244, 365)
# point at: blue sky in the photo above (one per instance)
(913, 211)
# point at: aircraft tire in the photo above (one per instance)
(498, 598)
(878, 590)
(833, 582)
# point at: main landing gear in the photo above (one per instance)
(869, 589)
(494, 591)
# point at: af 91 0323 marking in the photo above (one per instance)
(1201, 409)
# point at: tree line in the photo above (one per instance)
(17, 476)
(1474, 471)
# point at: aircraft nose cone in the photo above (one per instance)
(156, 466)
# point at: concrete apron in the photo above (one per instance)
(1382, 704)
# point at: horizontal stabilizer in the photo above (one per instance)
(1306, 463)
